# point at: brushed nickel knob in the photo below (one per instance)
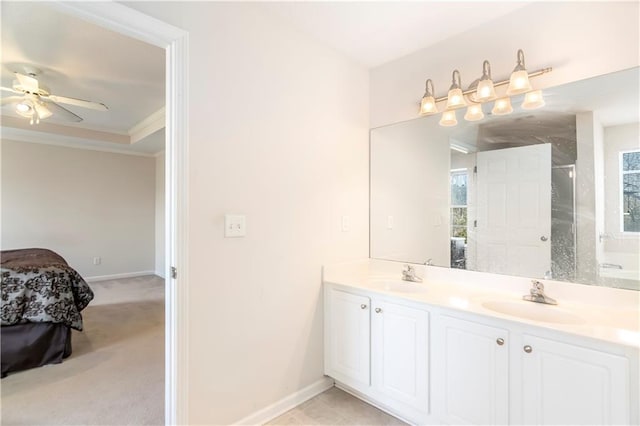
(528, 349)
(500, 341)
(363, 306)
(378, 310)
(543, 238)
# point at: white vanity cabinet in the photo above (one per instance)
(347, 337)
(570, 384)
(486, 374)
(471, 372)
(380, 349)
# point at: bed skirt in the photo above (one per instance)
(30, 345)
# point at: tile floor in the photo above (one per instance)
(335, 407)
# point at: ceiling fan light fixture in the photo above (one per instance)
(24, 109)
(42, 111)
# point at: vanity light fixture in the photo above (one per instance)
(533, 100)
(448, 118)
(455, 98)
(483, 90)
(428, 103)
(502, 106)
(474, 113)
(519, 80)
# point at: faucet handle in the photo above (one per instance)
(537, 287)
(408, 268)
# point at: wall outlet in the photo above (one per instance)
(97, 260)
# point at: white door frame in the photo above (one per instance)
(127, 21)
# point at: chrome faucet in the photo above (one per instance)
(537, 294)
(409, 274)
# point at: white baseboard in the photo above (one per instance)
(287, 403)
(118, 276)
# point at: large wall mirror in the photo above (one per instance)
(548, 193)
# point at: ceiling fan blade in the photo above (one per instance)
(28, 83)
(8, 89)
(11, 100)
(60, 112)
(78, 102)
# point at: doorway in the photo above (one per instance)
(132, 23)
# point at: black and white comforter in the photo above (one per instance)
(39, 286)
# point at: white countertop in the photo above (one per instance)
(607, 314)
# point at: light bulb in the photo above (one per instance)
(485, 90)
(23, 107)
(448, 118)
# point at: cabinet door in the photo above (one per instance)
(567, 384)
(400, 355)
(347, 337)
(472, 370)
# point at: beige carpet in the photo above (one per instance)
(115, 375)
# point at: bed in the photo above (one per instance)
(42, 297)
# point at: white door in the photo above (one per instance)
(513, 227)
(567, 384)
(347, 332)
(400, 355)
(471, 372)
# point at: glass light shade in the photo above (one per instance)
(24, 108)
(455, 99)
(448, 118)
(533, 100)
(474, 113)
(42, 110)
(428, 105)
(518, 83)
(485, 91)
(502, 107)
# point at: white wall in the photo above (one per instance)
(619, 248)
(578, 39)
(278, 131)
(81, 204)
(159, 219)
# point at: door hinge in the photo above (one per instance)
(475, 169)
(475, 223)
(174, 272)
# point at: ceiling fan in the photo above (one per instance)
(35, 101)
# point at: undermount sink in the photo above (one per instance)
(533, 311)
(399, 286)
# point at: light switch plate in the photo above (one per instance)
(235, 225)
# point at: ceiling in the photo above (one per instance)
(81, 60)
(373, 33)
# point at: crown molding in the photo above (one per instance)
(148, 126)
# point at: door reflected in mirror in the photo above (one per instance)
(552, 193)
